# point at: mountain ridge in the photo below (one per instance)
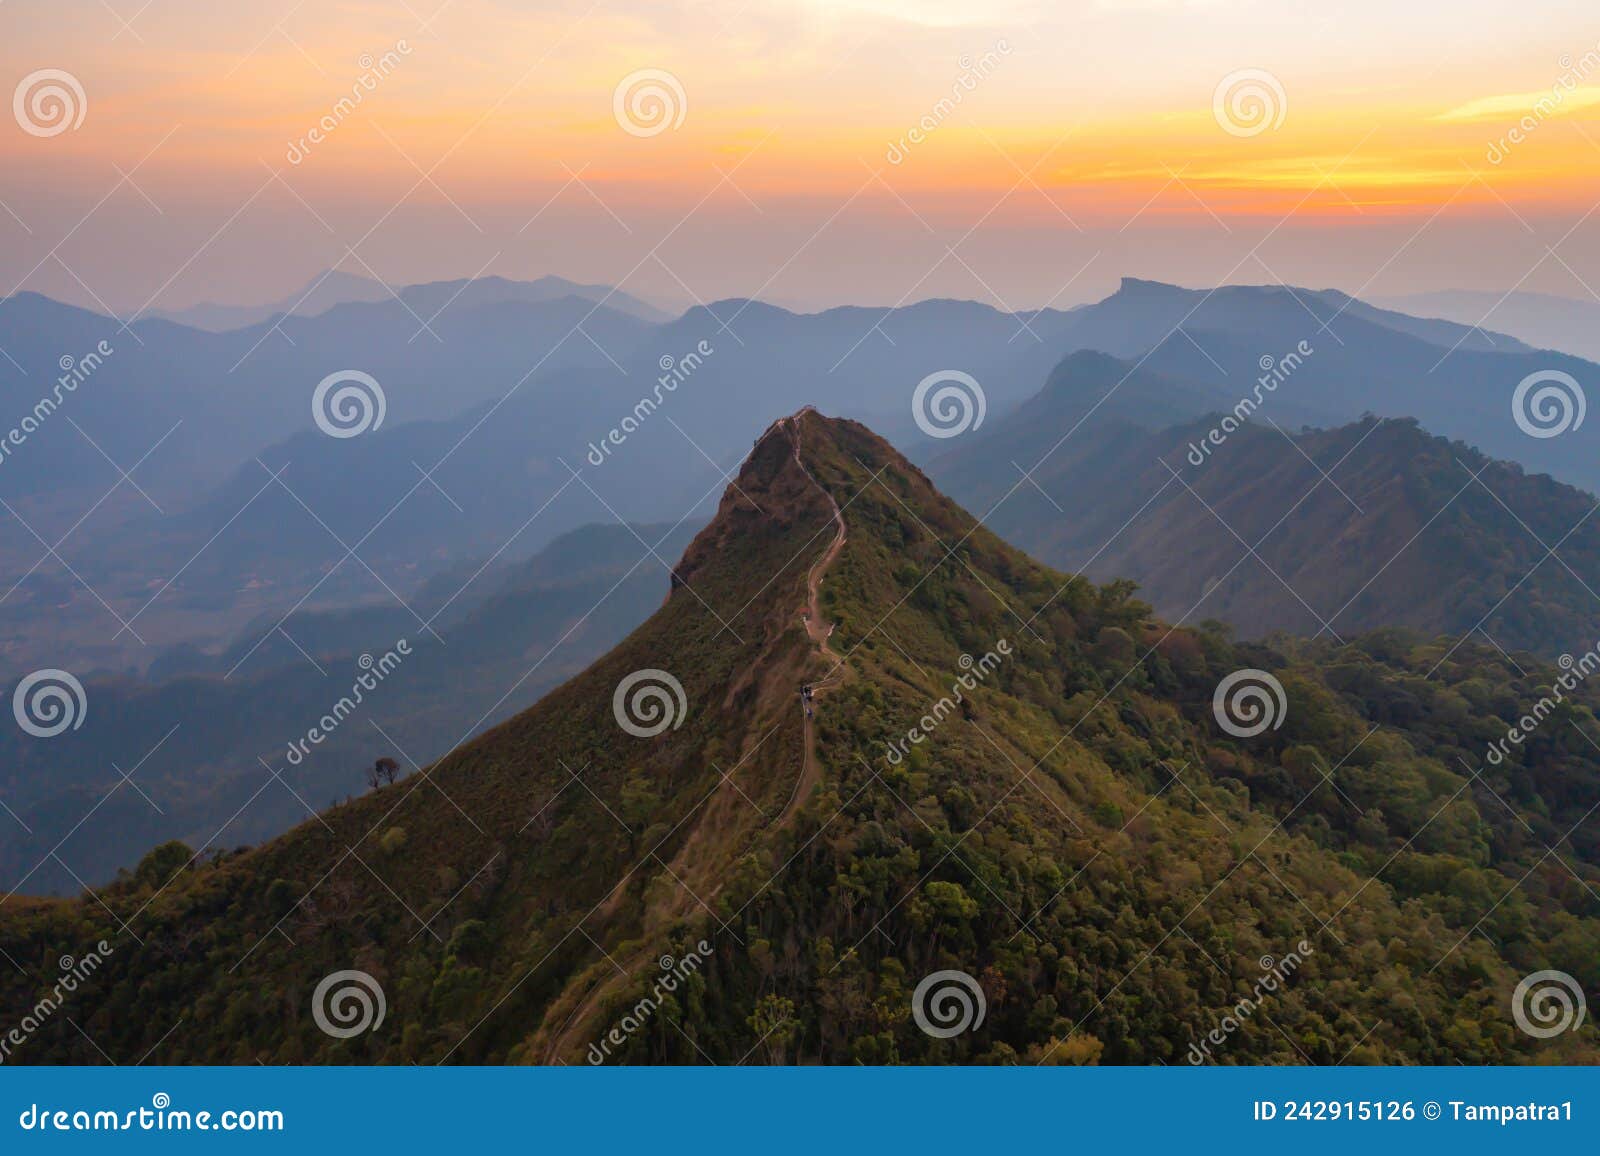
(1359, 526)
(335, 287)
(1049, 833)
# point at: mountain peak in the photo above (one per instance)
(775, 486)
(1138, 287)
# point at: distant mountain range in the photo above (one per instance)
(238, 392)
(1006, 779)
(1543, 320)
(1322, 532)
(513, 416)
(483, 430)
(336, 287)
(1361, 360)
(321, 293)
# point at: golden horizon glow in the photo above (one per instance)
(1101, 115)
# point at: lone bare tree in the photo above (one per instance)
(385, 770)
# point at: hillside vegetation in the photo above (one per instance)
(1076, 832)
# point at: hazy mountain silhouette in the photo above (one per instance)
(240, 391)
(336, 287)
(321, 293)
(495, 403)
(1361, 361)
(1369, 525)
(1543, 320)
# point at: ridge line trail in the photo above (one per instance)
(810, 775)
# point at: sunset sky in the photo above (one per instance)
(1090, 141)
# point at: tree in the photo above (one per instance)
(775, 1025)
(385, 770)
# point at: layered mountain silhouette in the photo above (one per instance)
(1459, 382)
(336, 287)
(159, 478)
(1000, 771)
(238, 391)
(1315, 532)
(1543, 320)
(239, 504)
(329, 288)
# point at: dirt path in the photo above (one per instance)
(810, 774)
(819, 633)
